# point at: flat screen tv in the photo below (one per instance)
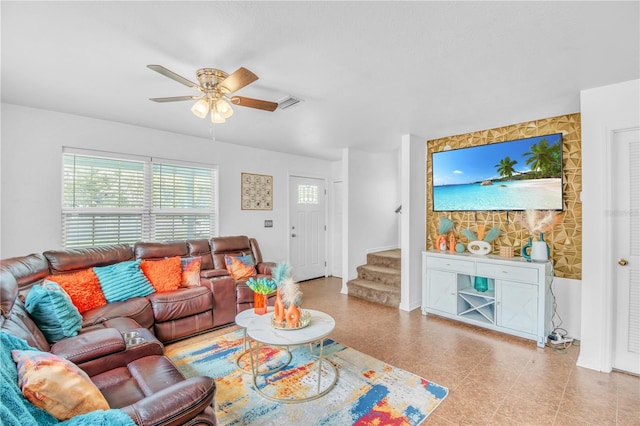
(520, 174)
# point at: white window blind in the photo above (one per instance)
(109, 200)
(183, 198)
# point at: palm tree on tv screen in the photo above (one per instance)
(544, 158)
(505, 167)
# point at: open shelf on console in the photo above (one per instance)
(478, 305)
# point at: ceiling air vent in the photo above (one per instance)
(288, 102)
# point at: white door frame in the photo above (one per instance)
(604, 111)
(326, 214)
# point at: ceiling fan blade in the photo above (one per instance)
(172, 75)
(174, 98)
(236, 81)
(254, 103)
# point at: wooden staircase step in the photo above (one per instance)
(374, 292)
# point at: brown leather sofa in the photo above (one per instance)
(138, 379)
(173, 315)
(159, 394)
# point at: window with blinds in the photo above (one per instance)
(111, 200)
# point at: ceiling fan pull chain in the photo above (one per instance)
(212, 131)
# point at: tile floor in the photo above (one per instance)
(493, 378)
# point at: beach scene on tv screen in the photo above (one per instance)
(515, 175)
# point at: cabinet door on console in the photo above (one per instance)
(517, 306)
(441, 291)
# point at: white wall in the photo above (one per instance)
(371, 195)
(31, 145)
(604, 110)
(413, 229)
(568, 299)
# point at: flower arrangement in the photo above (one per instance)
(287, 312)
(261, 285)
(540, 221)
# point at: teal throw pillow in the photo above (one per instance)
(53, 312)
(123, 280)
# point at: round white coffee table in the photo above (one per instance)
(261, 331)
(243, 319)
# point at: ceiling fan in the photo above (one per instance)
(215, 87)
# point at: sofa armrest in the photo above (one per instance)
(174, 405)
(265, 267)
(89, 346)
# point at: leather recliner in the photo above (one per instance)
(137, 379)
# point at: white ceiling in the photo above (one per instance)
(368, 72)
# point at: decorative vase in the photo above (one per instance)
(278, 308)
(524, 252)
(259, 303)
(481, 284)
(292, 316)
(548, 248)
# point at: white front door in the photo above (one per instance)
(307, 233)
(625, 202)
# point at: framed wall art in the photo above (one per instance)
(257, 192)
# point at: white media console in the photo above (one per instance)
(518, 300)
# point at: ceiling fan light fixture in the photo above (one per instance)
(214, 85)
(223, 108)
(201, 108)
(216, 117)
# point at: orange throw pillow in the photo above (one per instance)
(240, 266)
(56, 385)
(164, 275)
(83, 287)
(190, 271)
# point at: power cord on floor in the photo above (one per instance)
(558, 339)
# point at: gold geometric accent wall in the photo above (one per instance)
(565, 240)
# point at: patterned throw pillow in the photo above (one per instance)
(164, 275)
(83, 287)
(190, 270)
(123, 280)
(52, 310)
(240, 266)
(56, 385)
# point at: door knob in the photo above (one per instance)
(293, 235)
(623, 262)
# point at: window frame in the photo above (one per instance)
(147, 212)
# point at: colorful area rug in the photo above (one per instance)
(368, 391)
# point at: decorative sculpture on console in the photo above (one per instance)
(446, 225)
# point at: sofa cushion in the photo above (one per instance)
(190, 271)
(233, 246)
(52, 310)
(122, 281)
(137, 308)
(240, 266)
(201, 248)
(74, 259)
(164, 275)
(181, 303)
(160, 250)
(82, 287)
(56, 385)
